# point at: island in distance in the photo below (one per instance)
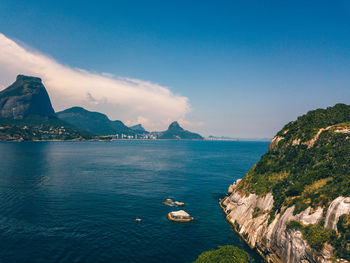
(26, 114)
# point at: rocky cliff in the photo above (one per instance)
(294, 204)
(26, 114)
(26, 96)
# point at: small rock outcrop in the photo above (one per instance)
(170, 202)
(26, 96)
(180, 216)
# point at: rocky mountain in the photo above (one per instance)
(93, 122)
(26, 96)
(294, 204)
(176, 132)
(26, 113)
(138, 128)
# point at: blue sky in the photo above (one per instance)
(246, 67)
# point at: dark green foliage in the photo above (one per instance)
(306, 126)
(307, 170)
(342, 243)
(315, 235)
(224, 254)
(303, 166)
(256, 211)
(294, 224)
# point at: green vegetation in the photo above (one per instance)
(39, 128)
(224, 254)
(302, 175)
(342, 243)
(315, 235)
(308, 164)
(306, 126)
(258, 212)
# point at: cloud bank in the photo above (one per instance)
(130, 100)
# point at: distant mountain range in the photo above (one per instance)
(26, 113)
(94, 122)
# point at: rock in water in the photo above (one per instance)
(180, 216)
(26, 96)
(170, 202)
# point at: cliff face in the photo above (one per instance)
(26, 114)
(26, 96)
(249, 215)
(294, 205)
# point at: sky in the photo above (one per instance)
(226, 68)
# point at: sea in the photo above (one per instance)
(78, 201)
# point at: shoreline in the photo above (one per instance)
(239, 234)
(99, 140)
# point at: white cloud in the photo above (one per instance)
(126, 99)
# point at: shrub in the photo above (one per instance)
(224, 254)
(314, 234)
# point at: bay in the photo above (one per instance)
(77, 201)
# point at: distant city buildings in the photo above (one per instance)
(145, 136)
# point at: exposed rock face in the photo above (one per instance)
(180, 216)
(26, 96)
(274, 241)
(26, 114)
(338, 207)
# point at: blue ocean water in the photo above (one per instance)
(77, 201)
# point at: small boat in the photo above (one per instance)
(138, 219)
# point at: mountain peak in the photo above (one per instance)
(27, 78)
(176, 132)
(26, 96)
(137, 127)
(175, 126)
